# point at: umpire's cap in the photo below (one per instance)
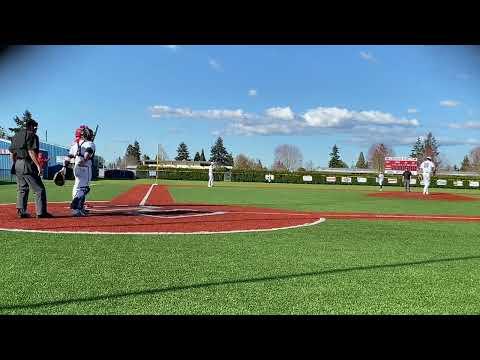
(58, 178)
(31, 123)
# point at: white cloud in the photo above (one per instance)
(412, 111)
(215, 65)
(336, 117)
(280, 113)
(466, 125)
(367, 56)
(262, 129)
(166, 111)
(252, 92)
(283, 120)
(449, 103)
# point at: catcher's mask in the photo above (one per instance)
(58, 178)
(84, 132)
(87, 134)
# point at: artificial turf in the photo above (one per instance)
(337, 267)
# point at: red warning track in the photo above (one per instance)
(150, 209)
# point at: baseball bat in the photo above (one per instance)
(95, 133)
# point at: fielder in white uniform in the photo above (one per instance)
(210, 174)
(428, 169)
(380, 180)
(81, 154)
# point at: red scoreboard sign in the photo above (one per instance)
(397, 165)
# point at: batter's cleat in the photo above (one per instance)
(45, 216)
(22, 215)
(78, 213)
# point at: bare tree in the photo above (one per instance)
(309, 165)
(162, 154)
(475, 158)
(243, 162)
(278, 166)
(289, 156)
(443, 163)
(377, 154)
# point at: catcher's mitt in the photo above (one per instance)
(59, 178)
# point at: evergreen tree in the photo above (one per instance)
(197, 157)
(229, 160)
(182, 152)
(145, 157)
(3, 134)
(361, 163)
(465, 164)
(202, 156)
(335, 161)
(430, 147)
(417, 150)
(219, 154)
(21, 122)
(133, 153)
(137, 153)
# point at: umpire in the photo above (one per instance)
(406, 179)
(24, 151)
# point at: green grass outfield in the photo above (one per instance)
(337, 267)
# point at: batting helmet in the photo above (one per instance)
(58, 178)
(79, 132)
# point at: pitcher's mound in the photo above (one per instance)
(418, 195)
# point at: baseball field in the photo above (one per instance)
(322, 249)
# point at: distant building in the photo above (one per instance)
(54, 153)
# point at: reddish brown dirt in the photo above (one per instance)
(419, 196)
(158, 215)
(159, 195)
(161, 215)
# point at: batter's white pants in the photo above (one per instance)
(426, 183)
(210, 180)
(83, 175)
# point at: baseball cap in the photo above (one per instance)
(31, 123)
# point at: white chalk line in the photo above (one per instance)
(411, 217)
(320, 220)
(144, 200)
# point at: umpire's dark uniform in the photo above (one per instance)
(27, 172)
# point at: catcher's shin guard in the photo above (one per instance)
(75, 204)
(78, 201)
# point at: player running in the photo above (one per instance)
(428, 169)
(81, 154)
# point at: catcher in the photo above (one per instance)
(81, 155)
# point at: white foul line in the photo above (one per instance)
(320, 220)
(144, 200)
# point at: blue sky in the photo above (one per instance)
(256, 97)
